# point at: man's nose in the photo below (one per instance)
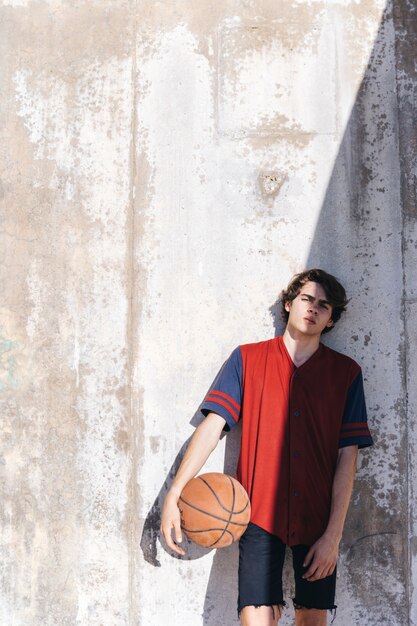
(313, 307)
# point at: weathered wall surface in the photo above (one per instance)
(166, 167)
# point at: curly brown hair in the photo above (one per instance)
(335, 292)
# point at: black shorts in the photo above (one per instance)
(261, 559)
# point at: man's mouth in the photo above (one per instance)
(310, 320)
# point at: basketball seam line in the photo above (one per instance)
(218, 499)
(221, 519)
(231, 513)
(206, 530)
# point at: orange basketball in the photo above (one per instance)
(215, 510)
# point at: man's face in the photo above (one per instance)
(310, 311)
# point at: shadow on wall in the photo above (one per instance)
(348, 243)
(359, 239)
(150, 533)
(356, 214)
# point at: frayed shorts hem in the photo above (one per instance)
(301, 605)
(258, 604)
(332, 609)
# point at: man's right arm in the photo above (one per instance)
(202, 444)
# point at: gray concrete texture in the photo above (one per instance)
(166, 167)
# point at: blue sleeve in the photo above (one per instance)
(225, 395)
(354, 430)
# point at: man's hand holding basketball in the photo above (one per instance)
(171, 519)
(203, 442)
(321, 559)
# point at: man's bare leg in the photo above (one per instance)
(260, 615)
(310, 617)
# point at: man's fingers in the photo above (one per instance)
(311, 571)
(173, 546)
(178, 533)
(170, 542)
(319, 572)
(309, 557)
(317, 575)
(311, 563)
(178, 550)
(331, 569)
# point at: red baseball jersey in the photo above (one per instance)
(294, 420)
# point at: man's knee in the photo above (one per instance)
(310, 617)
(260, 615)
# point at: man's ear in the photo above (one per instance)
(287, 305)
(329, 323)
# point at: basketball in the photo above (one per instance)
(215, 510)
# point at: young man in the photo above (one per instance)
(303, 418)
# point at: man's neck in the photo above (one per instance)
(300, 347)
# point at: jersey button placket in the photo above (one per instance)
(294, 454)
(296, 457)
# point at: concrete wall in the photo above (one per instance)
(166, 167)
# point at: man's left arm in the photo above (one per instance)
(322, 556)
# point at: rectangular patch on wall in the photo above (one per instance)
(277, 78)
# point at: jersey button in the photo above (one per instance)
(296, 454)
(296, 493)
(296, 413)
